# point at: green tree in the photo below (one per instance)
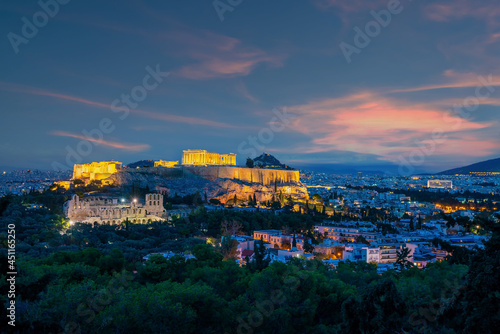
(229, 248)
(419, 223)
(475, 308)
(412, 225)
(155, 268)
(402, 258)
(214, 201)
(275, 205)
(206, 255)
(317, 198)
(362, 240)
(308, 248)
(261, 259)
(78, 182)
(381, 309)
(249, 163)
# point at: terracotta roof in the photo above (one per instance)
(246, 252)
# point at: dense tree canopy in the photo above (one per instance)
(77, 279)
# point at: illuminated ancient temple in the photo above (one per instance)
(167, 164)
(204, 158)
(96, 170)
(112, 211)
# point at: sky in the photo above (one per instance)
(412, 85)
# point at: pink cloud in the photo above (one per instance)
(445, 11)
(493, 38)
(212, 55)
(455, 80)
(216, 56)
(122, 146)
(370, 123)
(10, 87)
(242, 89)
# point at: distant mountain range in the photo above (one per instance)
(492, 165)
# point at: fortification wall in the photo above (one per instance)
(221, 182)
(253, 175)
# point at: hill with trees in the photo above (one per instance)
(266, 160)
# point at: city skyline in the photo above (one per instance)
(313, 82)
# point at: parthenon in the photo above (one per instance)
(202, 157)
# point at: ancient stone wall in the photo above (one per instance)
(252, 175)
(96, 170)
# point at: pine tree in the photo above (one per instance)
(260, 261)
(419, 222)
(308, 248)
(402, 258)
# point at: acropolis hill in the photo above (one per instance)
(210, 173)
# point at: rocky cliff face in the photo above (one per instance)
(172, 185)
(231, 181)
(262, 192)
